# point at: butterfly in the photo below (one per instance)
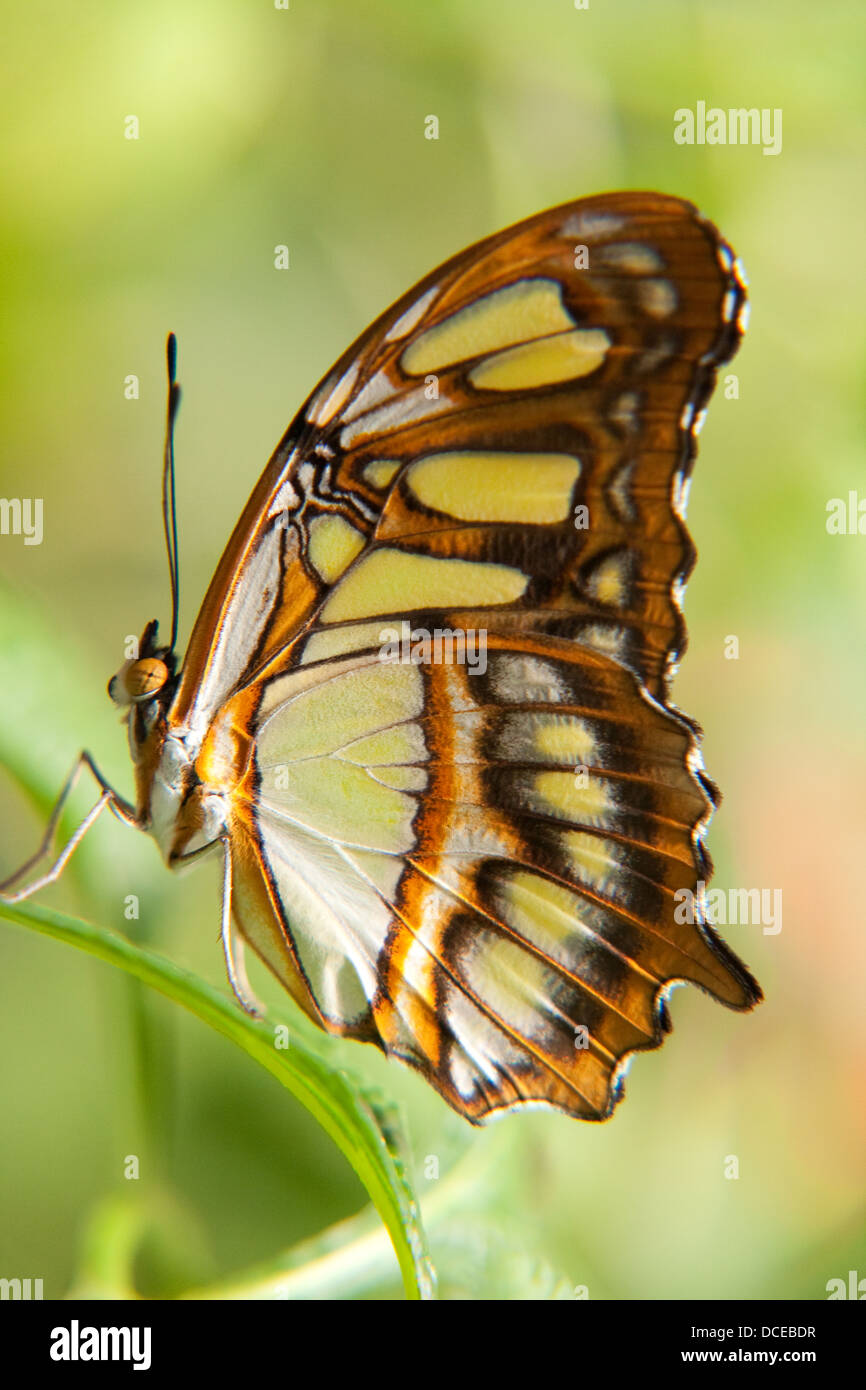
(424, 712)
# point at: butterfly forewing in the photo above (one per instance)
(473, 855)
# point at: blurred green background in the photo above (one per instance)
(306, 127)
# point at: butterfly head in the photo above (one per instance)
(147, 678)
(143, 688)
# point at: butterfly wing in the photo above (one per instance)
(513, 347)
(480, 869)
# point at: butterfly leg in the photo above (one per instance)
(233, 946)
(109, 797)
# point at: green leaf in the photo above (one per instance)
(344, 1109)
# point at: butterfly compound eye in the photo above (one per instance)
(138, 680)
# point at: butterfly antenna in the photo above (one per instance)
(169, 508)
